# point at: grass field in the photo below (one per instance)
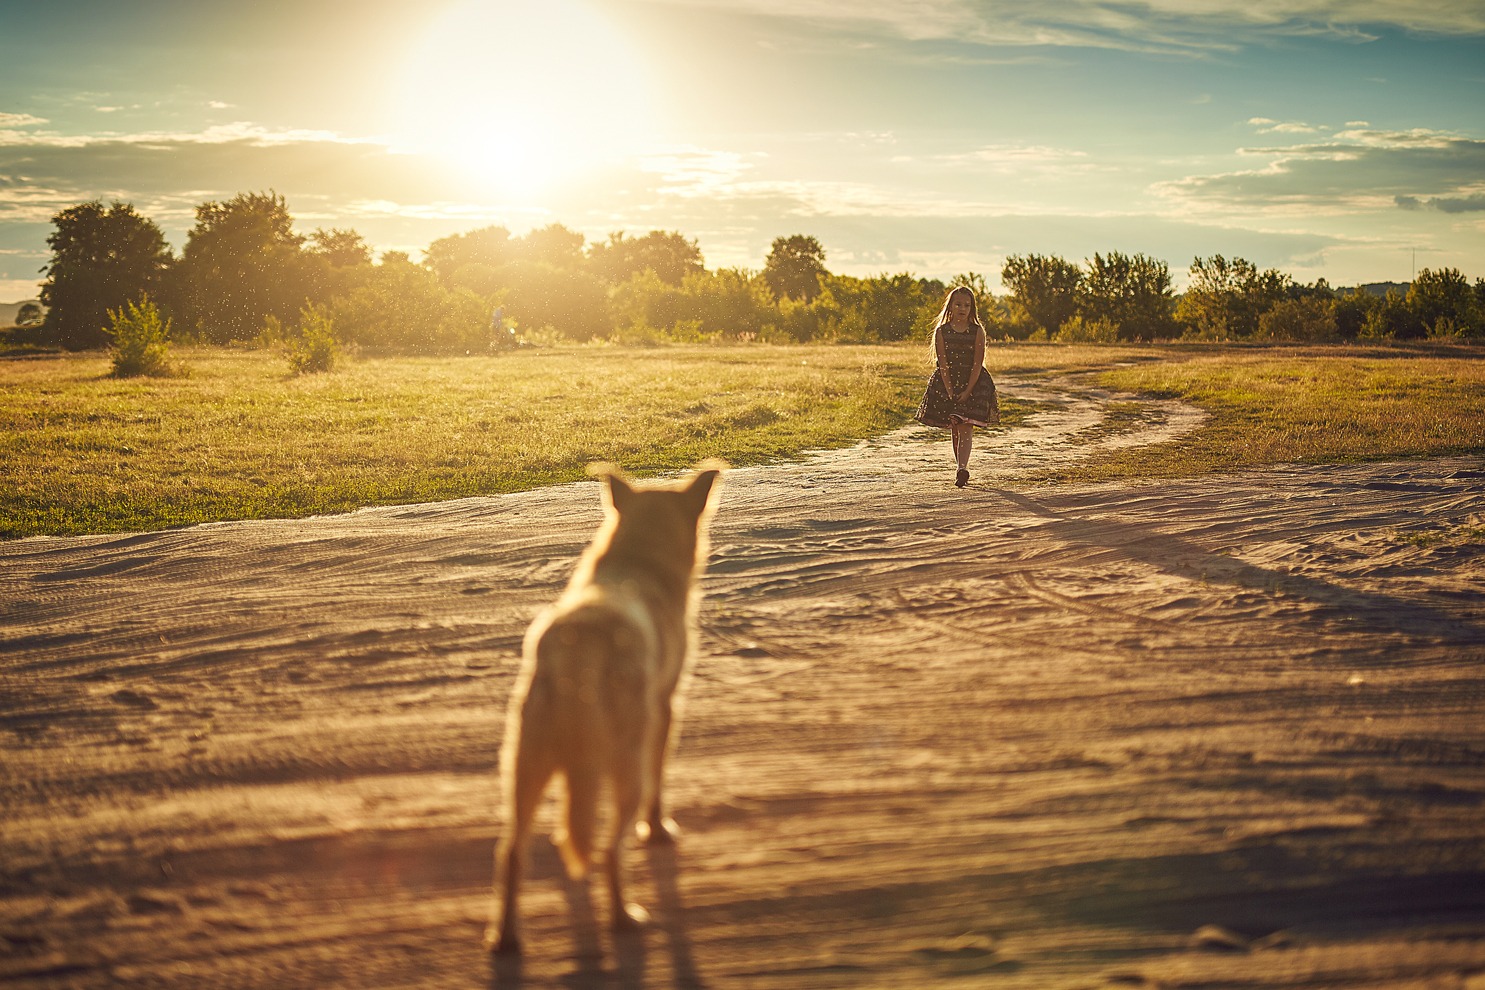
(238, 437)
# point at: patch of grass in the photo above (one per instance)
(239, 438)
(81, 452)
(1304, 405)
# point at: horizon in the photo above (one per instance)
(935, 140)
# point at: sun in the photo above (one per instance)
(522, 96)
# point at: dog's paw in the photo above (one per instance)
(631, 918)
(664, 833)
(501, 943)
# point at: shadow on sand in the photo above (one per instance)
(628, 968)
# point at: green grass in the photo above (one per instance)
(1309, 405)
(239, 437)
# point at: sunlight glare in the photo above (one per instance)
(524, 95)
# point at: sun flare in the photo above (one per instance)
(524, 95)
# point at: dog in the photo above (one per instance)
(596, 695)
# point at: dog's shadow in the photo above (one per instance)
(589, 926)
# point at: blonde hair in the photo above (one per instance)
(942, 319)
(974, 308)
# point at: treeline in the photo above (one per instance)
(244, 275)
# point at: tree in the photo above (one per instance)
(490, 247)
(341, 248)
(101, 260)
(1130, 291)
(28, 315)
(1226, 298)
(666, 253)
(402, 307)
(553, 245)
(794, 267)
(1045, 286)
(1443, 298)
(1308, 318)
(242, 262)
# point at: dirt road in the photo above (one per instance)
(1218, 732)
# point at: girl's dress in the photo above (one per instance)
(938, 407)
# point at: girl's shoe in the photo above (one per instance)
(962, 478)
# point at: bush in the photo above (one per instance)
(141, 341)
(1309, 319)
(313, 347)
(1077, 330)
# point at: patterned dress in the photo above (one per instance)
(938, 407)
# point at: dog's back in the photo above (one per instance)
(594, 698)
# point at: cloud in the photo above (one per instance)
(1191, 27)
(1010, 158)
(1357, 171)
(1444, 204)
(1267, 125)
(20, 120)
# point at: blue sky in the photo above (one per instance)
(1327, 139)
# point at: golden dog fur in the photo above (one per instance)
(594, 701)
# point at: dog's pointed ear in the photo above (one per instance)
(616, 489)
(703, 485)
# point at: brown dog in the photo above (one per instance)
(595, 694)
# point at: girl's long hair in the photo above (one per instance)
(943, 317)
(974, 308)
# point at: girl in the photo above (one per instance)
(960, 395)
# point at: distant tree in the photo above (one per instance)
(794, 267)
(490, 247)
(1443, 298)
(242, 262)
(336, 261)
(541, 294)
(886, 307)
(553, 245)
(1308, 318)
(1391, 319)
(28, 315)
(341, 248)
(402, 307)
(1045, 286)
(101, 259)
(1352, 310)
(1132, 292)
(666, 253)
(1226, 297)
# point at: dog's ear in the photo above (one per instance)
(704, 484)
(616, 489)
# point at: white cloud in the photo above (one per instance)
(1356, 171)
(19, 120)
(1267, 125)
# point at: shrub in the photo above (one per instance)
(313, 347)
(1310, 319)
(1077, 330)
(141, 341)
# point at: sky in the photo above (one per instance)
(1336, 139)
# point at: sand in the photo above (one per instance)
(1222, 732)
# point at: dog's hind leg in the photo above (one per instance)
(528, 779)
(629, 795)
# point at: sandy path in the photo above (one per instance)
(1224, 732)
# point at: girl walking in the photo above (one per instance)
(960, 395)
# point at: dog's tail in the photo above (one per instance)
(593, 661)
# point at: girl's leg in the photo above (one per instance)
(966, 444)
(954, 436)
